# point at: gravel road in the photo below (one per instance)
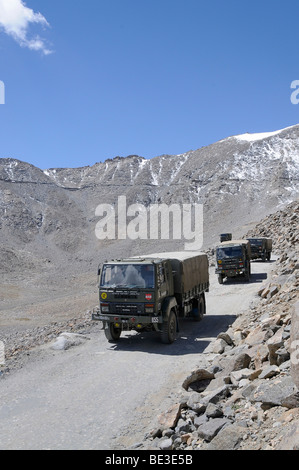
(102, 396)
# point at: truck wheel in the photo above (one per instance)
(169, 328)
(268, 256)
(220, 278)
(200, 309)
(112, 333)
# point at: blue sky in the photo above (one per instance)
(102, 78)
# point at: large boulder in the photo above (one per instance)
(169, 418)
(276, 392)
(68, 340)
(197, 376)
(290, 438)
(229, 438)
(209, 430)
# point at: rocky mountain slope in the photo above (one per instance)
(51, 214)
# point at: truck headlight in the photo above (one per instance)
(105, 308)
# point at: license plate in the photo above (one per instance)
(155, 319)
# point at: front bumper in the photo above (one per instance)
(128, 320)
(256, 255)
(230, 272)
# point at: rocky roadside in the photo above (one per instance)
(18, 345)
(247, 398)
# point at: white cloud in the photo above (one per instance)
(15, 20)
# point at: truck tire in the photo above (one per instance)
(112, 333)
(169, 328)
(220, 278)
(269, 256)
(200, 308)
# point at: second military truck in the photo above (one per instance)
(233, 259)
(152, 292)
(261, 248)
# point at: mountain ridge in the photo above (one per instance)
(239, 180)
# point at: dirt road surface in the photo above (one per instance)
(103, 396)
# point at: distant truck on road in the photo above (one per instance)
(261, 248)
(226, 237)
(152, 292)
(233, 260)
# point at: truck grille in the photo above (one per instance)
(230, 264)
(125, 295)
(128, 309)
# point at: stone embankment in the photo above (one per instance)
(248, 396)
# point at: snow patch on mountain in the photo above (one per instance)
(259, 136)
(269, 160)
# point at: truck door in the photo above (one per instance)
(162, 281)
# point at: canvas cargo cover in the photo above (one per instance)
(268, 242)
(191, 269)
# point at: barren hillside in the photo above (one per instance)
(48, 249)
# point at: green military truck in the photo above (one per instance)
(226, 237)
(233, 260)
(261, 248)
(151, 293)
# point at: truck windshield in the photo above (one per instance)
(128, 276)
(255, 241)
(226, 236)
(229, 252)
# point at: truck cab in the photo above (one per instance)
(150, 294)
(226, 237)
(233, 260)
(129, 291)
